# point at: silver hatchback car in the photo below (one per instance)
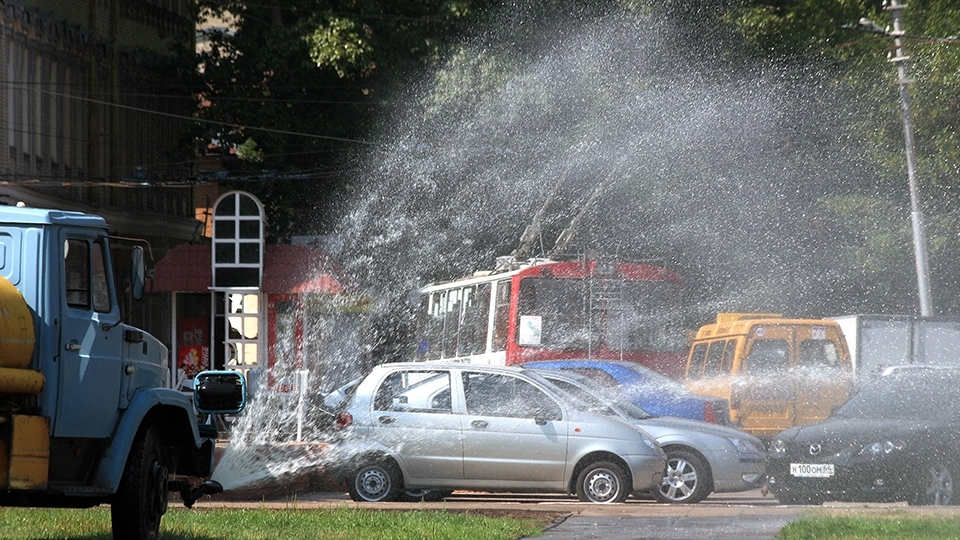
(432, 428)
(702, 458)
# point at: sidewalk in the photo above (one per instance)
(730, 527)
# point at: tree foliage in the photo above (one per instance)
(303, 81)
(311, 92)
(879, 252)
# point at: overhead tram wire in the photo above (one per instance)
(204, 120)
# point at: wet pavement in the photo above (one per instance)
(728, 525)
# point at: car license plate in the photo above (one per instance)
(811, 470)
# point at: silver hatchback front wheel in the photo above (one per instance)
(602, 482)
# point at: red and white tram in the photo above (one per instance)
(544, 309)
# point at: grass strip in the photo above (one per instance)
(890, 526)
(263, 524)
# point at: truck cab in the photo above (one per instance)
(88, 416)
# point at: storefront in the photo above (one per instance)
(281, 314)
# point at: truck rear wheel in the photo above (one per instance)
(142, 498)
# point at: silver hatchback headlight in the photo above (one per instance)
(745, 446)
(650, 441)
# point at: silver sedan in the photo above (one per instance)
(702, 458)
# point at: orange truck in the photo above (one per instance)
(776, 372)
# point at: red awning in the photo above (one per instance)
(287, 268)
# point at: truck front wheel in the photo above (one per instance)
(142, 497)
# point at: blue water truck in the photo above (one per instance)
(87, 416)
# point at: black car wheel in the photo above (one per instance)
(602, 482)
(377, 481)
(685, 480)
(936, 487)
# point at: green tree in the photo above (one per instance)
(878, 261)
(303, 81)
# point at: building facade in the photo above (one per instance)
(94, 105)
(285, 315)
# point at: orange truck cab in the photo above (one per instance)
(775, 372)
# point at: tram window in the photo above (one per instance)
(430, 327)
(501, 321)
(649, 314)
(696, 361)
(451, 322)
(473, 326)
(560, 304)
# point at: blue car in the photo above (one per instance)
(647, 389)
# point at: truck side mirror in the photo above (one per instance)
(137, 273)
(219, 392)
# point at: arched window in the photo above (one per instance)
(237, 241)
(237, 269)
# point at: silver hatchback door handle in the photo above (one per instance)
(386, 419)
(479, 424)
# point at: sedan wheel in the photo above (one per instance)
(602, 482)
(375, 482)
(936, 488)
(685, 479)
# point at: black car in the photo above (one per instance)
(897, 439)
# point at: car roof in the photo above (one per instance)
(890, 370)
(619, 369)
(561, 374)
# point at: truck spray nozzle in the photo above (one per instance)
(208, 487)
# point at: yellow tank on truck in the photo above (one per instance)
(16, 344)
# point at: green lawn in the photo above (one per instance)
(259, 524)
(351, 523)
(889, 526)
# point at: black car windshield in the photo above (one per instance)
(921, 394)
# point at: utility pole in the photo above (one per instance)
(916, 217)
(900, 58)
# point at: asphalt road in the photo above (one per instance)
(726, 516)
